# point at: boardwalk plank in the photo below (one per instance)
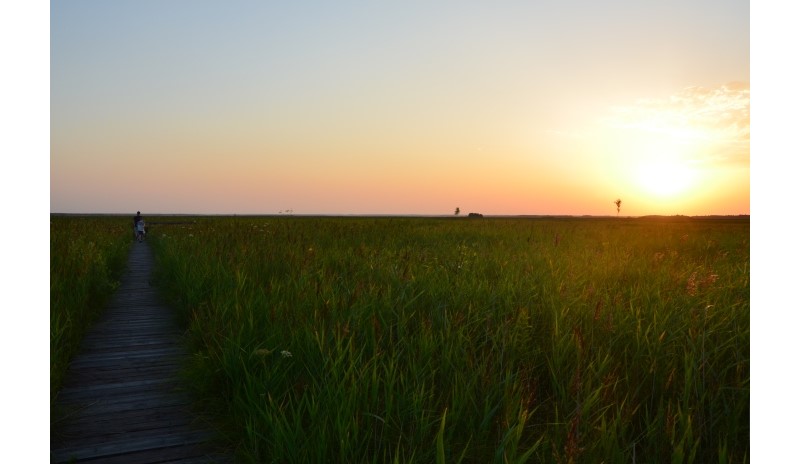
(122, 400)
(101, 406)
(131, 443)
(186, 454)
(135, 419)
(91, 377)
(153, 383)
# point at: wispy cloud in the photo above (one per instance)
(718, 119)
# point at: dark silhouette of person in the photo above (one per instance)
(136, 220)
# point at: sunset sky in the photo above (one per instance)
(546, 107)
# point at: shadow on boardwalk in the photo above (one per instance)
(121, 401)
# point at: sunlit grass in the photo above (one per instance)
(488, 340)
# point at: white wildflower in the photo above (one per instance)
(286, 354)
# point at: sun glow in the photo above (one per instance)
(679, 153)
(664, 178)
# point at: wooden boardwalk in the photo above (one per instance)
(122, 401)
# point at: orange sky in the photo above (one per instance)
(552, 108)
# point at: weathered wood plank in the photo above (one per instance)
(133, 360)
(154, 383)
(99, 407)
(131, 442)
(90, 377)
(134, 416)
(134, 363)
(131, 343)
(149, 427)
(97, 376)
(187, 454)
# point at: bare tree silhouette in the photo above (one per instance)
(618, 202)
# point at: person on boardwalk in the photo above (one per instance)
(138, 226)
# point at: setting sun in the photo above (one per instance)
(665, 178)
(682, 153)
(664, 166)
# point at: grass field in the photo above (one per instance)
(467, 340)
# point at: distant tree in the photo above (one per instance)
(475, 215)
(458, 211)
(618, 202)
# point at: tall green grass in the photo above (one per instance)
(455, 340)
(87, 254)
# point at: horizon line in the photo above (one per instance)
(390, 215)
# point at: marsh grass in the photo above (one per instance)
(458, 340)
(87, 256)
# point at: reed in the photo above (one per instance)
(468, 340)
